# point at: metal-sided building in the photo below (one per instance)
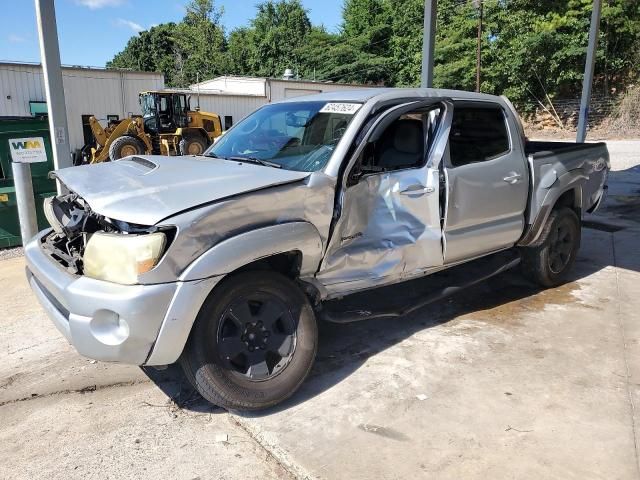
(88, 91)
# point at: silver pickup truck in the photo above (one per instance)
(224, 261)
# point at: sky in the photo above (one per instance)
(91, 32)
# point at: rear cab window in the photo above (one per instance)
(478, 133)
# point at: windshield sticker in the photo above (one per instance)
(346, 108)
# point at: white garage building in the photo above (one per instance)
(113, 94)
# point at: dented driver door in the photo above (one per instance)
(389, 224)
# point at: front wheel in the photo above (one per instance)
(549, 263)
(253, 342)
(126, 146)
(192, 145)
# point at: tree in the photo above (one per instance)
(364, 47)
(279, 28)
(152, 50)
(241, 51)
(200, 43)
(533, 51)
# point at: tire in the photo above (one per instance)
(192, 145)
(549, 263)
(222, 359)
(125, 146)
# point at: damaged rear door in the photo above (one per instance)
(389, 224)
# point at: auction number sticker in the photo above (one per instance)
(346, 108)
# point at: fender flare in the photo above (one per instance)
(571, 180)
(203, 274)
(240, 250)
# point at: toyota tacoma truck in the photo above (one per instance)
(225, 261)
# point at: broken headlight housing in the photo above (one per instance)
(121, 258)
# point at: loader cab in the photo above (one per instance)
(164, 112)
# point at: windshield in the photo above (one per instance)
(148, 105)
(295, 136)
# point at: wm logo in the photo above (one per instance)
(26, 145)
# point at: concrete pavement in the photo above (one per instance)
(504, 381)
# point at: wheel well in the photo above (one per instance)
(195, 132)
(286, 263)
(571, 200)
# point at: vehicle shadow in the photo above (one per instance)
(344, 348)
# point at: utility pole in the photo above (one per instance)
(198, 89)
(588, 72)
(52, 73)
(479, 5)
(428, 43)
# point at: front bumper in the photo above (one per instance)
(102, 320)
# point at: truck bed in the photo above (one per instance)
(540, 149)
(555, 164)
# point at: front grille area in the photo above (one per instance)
(66, 253)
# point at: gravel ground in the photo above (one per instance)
(6, 253)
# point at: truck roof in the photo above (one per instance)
(383, 94)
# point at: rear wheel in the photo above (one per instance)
(549, 263)
(126, 146)
(253, 343)
(192, 145)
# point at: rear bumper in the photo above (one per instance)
(102, 320)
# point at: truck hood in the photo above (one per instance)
(146, 189)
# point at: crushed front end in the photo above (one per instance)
(84, 271)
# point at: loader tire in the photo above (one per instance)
(192, 145)
(549, 263)
(126, 146)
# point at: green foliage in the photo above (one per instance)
(201, 44)
(152, 50)
(531, 50)
(241, 51)
(278, 29)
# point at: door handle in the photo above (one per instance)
(417, 189)
(512, 178)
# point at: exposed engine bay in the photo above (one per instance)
(73, 222)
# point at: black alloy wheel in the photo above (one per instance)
(256, 336)
(561, 243)
(550, 260)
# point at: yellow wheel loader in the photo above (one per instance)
(167, 126)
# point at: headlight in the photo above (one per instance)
(119, 258)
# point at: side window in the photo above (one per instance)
(477, 134)
(403, 144)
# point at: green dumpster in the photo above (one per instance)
(17, 128)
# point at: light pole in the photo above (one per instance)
(589, 65)
(52, 73)
(479, 6)
(428, 42)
